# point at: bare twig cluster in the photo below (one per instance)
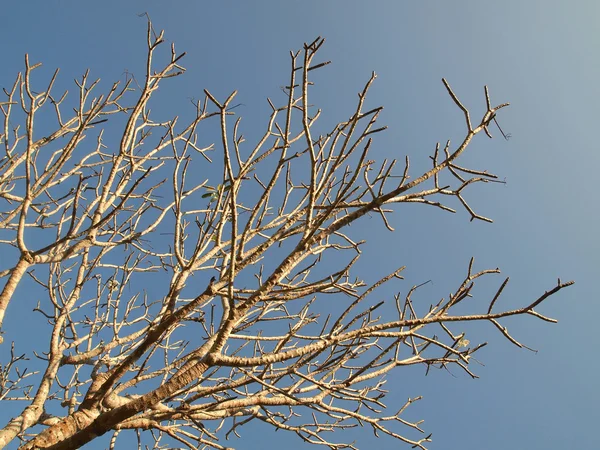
(237, 334)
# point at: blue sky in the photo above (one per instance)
(539, 55)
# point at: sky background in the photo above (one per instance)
(542, 56)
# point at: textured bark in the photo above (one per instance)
(12, 283)
(86, 425)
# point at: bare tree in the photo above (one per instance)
(245, 258)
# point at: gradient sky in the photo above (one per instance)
(542, 56)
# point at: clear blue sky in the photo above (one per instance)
(540, 55)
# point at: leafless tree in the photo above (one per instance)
(246, 259)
